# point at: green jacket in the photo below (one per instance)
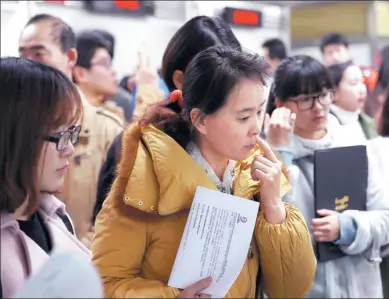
(367, 123)
(368, 126)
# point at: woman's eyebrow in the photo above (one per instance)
(249, 109)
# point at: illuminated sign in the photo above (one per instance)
(134, 8)
(242, 17)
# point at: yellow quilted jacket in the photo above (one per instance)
(139, 228)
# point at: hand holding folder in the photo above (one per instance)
(340, 179)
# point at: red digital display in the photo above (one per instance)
(242, 17)
(245, 17)
(127, 5)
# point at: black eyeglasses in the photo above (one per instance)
(307, 102)
(62, 139)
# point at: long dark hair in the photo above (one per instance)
(208, 80)
(196, 35)
(35, 100)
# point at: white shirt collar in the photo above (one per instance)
(345, 117)
(228, 177)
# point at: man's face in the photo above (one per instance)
(100, 78)
(38, 43)
(333, 54)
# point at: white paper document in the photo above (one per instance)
(215, 242)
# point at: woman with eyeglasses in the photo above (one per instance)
(39, 111)
(303, 86)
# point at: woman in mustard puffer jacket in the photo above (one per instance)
(192, 141)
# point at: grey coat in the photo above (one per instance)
(356, 275)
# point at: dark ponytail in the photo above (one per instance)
(168, 117)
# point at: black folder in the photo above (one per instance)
(340, 176)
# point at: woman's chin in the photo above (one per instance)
(54, 187)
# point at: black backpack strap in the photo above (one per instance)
(65, 219)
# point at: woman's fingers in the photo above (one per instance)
(263, 160)
(292, 121)
(268, 152)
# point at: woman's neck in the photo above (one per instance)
(217, 162)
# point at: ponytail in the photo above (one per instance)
(168, 116)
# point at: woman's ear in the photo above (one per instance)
(198, 121)
(178, 78)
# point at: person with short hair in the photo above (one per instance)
(274, 52)
(40, 112)
(123, 97)
(49, 40)
(94, 73)
(303, 85)
(334, 48)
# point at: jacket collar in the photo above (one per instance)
(157, 176)
(49, 206)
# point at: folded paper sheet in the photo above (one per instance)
(215, 241)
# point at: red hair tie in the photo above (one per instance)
(176, 96)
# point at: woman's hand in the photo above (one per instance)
(326, 229)
(267, 169)
(146, 74)
(279, 127)
(194, 291)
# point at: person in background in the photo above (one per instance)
(379, 150)
(122, 97)
(349, 98)
(375, 101)
(39, 114)
(303, 86)
(49, 40)
(195, 35)
(94, 74)
(222, 99)
(274, 52)
(334, 48)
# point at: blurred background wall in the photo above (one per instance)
(300, 24)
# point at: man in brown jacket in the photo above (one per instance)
(94, 73)
(48, 39)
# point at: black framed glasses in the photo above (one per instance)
(307, 102)
(62, 139)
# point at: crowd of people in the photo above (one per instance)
(107, 170)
